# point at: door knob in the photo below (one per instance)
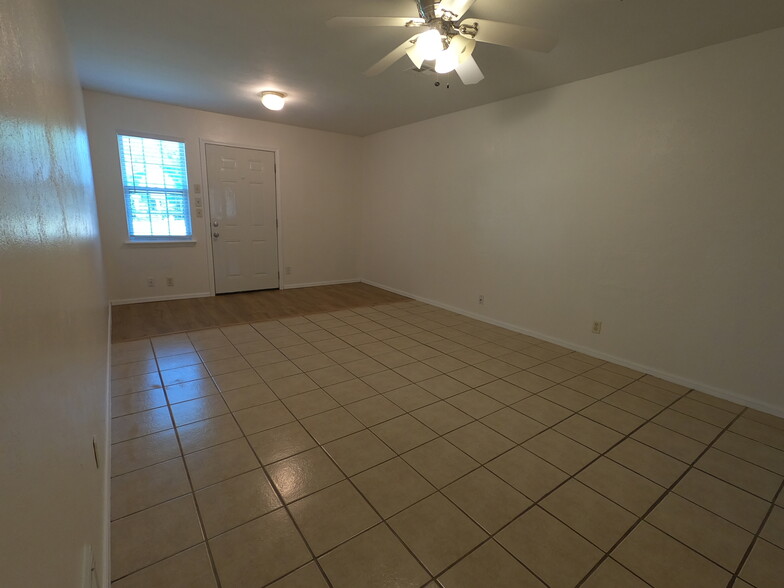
(214, 223)
(216, 234)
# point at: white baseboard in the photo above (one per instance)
(327, 283)
(160, 298)
(676, 379)
(208, 294)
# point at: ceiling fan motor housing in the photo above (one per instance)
(427, 9)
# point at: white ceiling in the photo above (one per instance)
(217, 55)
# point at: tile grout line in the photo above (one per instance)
(191, 493)
(756, 537)
(348, 478)
(190, 482)
(150, 565)
(603, 454)
(167, 501)
(382, 520)
(481, 466)
(656, 503)
(445, 399)
(369, 429)
(535, 503)
(474, 419)
(479, 420)
(275, 489)
(626, 436)
(503, 378)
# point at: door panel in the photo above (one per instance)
(243, 218)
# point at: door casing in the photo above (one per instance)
(206, 201)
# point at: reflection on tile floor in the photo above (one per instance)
(403, 445)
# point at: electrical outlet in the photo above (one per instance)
(288, 270)
(597, 327)
(170, 282)
(150, 282)
(481, 299)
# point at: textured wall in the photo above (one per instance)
(649, 199)
(53, 311)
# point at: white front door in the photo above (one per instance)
(243, 218)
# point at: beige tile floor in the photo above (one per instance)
(403, 445)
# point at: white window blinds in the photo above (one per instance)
(155, 182)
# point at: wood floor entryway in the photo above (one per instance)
(150, 319)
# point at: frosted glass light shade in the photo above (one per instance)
(429, 44)
(446, 61)
(459, 50)
(273, 100)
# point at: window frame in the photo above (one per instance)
(187, 239)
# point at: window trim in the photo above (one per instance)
(159, 243)
(152, 240)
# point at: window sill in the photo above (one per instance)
(180, 243)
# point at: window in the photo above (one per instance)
(155, 183)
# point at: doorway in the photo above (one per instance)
(243, 218)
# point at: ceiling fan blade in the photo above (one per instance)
(463, 47)
(415, 54)
(374, 21)
(509, 35)
(468, 72)
(456, 7)
(390, 58)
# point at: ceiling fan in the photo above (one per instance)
(448, 38)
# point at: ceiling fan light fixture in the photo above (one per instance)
(445, 27)
(458, 51)
(273, 100)
(446, 61)
(430, 44)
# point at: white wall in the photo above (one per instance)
(649, 198)
(318, 192)
(53, 312)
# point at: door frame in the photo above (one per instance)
(205, 194)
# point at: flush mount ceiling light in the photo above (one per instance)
(273, 100)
